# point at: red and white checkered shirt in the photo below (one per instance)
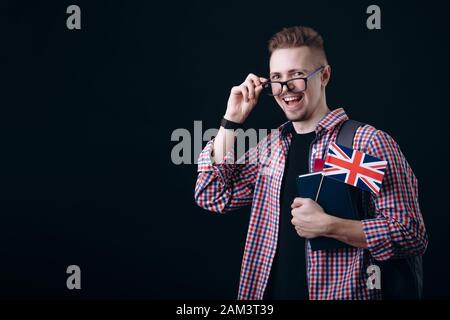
(396, 230)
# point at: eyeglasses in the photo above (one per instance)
(296, 85)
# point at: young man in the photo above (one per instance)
(278, 263)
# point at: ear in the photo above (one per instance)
(326, 74)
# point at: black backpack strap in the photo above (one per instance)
(347, 133)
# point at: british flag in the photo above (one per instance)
(354, 167)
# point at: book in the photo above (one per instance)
(335, 197)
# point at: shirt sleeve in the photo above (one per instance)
(227, 185)
(398, 229)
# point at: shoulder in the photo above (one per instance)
(364, 136)
(375, 142)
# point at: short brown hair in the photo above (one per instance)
(297, 36)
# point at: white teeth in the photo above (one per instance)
(290, 98)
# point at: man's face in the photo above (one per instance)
(297, 62)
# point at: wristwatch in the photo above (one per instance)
(228, 124)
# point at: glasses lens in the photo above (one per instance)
(297, 85)
(272, 88)
(276, 88)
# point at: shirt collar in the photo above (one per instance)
(328, 122)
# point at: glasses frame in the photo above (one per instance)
(285, 83)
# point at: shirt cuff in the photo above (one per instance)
(224, 169)
(378, 238)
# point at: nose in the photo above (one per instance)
(284, 88)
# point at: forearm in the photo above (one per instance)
(347, 231)
(224, 187)
(223, 143)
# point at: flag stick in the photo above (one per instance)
(320, 187)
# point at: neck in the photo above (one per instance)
(310, 124)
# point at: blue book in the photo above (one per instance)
(335, 197)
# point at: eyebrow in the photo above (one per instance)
(291, 71)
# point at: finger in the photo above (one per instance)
(293, 212)
(236, 90)
(257, 81)
(253, 78)
(298, 202)
(244, 91)
(294, 222)
(258, 89)
(251, 88)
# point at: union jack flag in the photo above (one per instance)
(354, 167)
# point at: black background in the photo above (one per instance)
(87, 117)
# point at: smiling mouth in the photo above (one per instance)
(292, 100)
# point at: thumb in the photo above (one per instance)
(259, 87)
(298, 202)
(258, 90)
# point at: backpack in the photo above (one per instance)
(401, 278)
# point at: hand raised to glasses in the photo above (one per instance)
(243, 98)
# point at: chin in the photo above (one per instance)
(296, 116)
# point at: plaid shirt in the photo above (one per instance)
(396, 230)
